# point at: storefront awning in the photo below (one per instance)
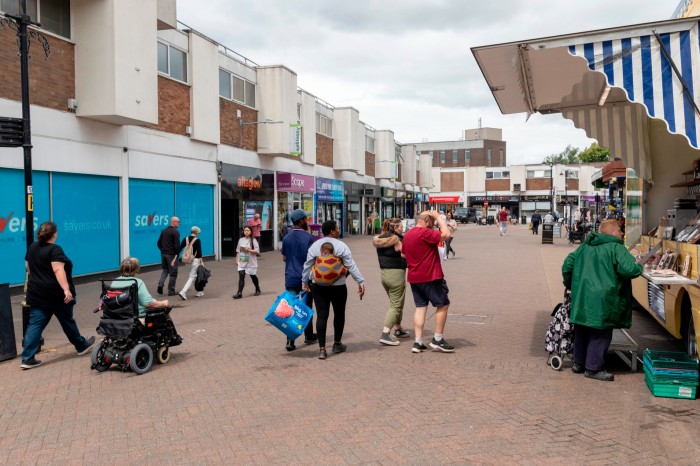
(630, 88)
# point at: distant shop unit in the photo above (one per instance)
(330, 195)
(294, 191)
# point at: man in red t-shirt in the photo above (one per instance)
(503, 221)
(255, 225)
(420, 246)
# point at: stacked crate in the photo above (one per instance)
(670, 374)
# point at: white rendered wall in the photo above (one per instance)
(426, 171)
(204, 66)
(115, 74)
(358, 146)
(408, 166)
(436, 186)
(346, 125)
(385, 153)
(308, 128)
(277, 101)
(167, 14)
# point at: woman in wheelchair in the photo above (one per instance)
(128, 269)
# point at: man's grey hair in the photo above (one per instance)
(195, 230)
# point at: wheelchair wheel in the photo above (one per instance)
(163, 354)
(98, 354)
(141, 358)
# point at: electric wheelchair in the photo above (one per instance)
(131, 342)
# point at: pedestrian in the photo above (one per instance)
(393, 275)
(295, 246)
(128, 269)
(503, 221)
(452, 226)
(549, 218)
(599, 274)
(335, 294)
(255, 225)
(195, 244)
(247, 252)
(536, 220)
(169, 245)
(420, 246)
(50, 292)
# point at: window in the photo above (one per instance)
(369, 144)
(442, 156)
(467, 156)
(488, 156)
(506, 174)
(172, 62)
(489, 175)
(234, 88)
(455, 159)
(324, 125)
(54, 15)
(539, 173)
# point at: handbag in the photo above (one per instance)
(529, 226)
(290, 314)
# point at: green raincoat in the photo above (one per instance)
(599, 275)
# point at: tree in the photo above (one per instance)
(566, 157)
(594, 153)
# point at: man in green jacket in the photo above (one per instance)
(599, 275)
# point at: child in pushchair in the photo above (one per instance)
(559, 339)
(134, 325)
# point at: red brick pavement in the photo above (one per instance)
(232, 394)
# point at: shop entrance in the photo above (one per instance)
(231, 219)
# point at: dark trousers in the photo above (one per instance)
(590, 346)
(535, 227)
(168, 269)
(309, 301)
(39, 319)
(241, 281)
(448, 247)
(324, 297)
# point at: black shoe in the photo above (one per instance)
(160, 289)
(577, 368)
(290, 345)
(339, 348)
(313, 339)
(418, 348)
(257, 292)
(322, 354)
(238, 296)
(30, 363)
(172, 293)
(401, 333)
(600, 375)
(441, 345)
(90, 342)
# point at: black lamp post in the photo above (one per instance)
(551, 186)
(566, 198)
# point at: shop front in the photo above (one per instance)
(329, 200)
(354, 193)
(246, 191)
(400, 203)
(389, 203)
(447, 202)
(294, 191)
(372, 205)
(531, 202)
(410, 209)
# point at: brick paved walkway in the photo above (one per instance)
(232, 394)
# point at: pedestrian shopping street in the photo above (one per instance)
(231, 394)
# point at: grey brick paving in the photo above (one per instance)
(231, 394)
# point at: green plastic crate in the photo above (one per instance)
(671, 391)
(669, 360)
(687, 378)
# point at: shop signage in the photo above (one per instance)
(478, 199)
(249, 183)
(368, 192)
(329, 190)
(409, 196)
(540, 197)
(291, 182)
(388, 192)
(443, 199)
(295, 139)
(400, 194)
(591, 198)
(246, 183)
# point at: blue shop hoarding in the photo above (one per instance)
(195, 207)
(328, 190)
(151, 204)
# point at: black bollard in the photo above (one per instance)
(8, 344)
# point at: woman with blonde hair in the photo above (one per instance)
(393, 276)
(195, 244)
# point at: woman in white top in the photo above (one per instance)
(247, 252)
(452, 226)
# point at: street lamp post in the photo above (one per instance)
(567, 208)
(242, 123)
(551, 186)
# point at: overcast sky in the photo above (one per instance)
(406, 65)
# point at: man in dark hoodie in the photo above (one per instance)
(599, 274)
(393, 274)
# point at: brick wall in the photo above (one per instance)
(51, 81)
(498, 153)
(398, 173)
(370, 163)
(324, 150)
(173, 106)
(452, 181)
(538, 184)
(572, 184)
(498, 185)
(231, 129)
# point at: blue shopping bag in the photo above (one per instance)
(290, 314)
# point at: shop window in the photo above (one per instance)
(172, 62)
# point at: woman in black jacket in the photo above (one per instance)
(393, 274)
(195, 244)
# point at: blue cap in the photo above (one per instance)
(297, 215)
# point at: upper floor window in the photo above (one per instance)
(498, 174)
(488, 156)
(442, 156)
(539, 173)
(324, 125)
(467, 156)
(235, 88)
(570, 174)
(455, 158)
(369, 144)
(54, 15)
(172, 61)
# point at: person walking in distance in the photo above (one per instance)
(169, 245)
(295, 245)
(452, 226)
(536, 220)
(247, 252)
(255, 225)
(599, 274)
(335, 294)
(50, 292)
(420, 246)
(503, 221)
(195, 245)
(393, 276)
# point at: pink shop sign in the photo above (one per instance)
(295, 183)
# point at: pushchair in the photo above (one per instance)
(579, 232)
(130, 341)
(559, 339)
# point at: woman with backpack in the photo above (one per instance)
(247, 252)
(191, 248)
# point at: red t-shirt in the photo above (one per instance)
(503, 216)
(255, 227)
(420, 246)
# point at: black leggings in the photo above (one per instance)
(241, 281)
(324, 297)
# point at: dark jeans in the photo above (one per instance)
(535, 227)
(448, 246)
(590, 346)
(324, 297)
(168, 269)
(39, 319)
(309, 301)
